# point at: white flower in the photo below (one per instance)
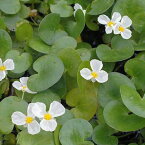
(77, 7)
(109, 23)
(48, 122)
(121, 28)
(22, 85)
(28, 120)
(96, 74)
(4, 67)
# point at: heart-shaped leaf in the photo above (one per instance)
(100, 6)
(22, 60)
(43, 138)
(38, 45)
(121, 50)
(133, 101)
(136, 68)
(6, 43)
(13, 104)
(10, 6)
(62, 8)
(24, 31)
(74, 28)
(77, 134)
(118, 117)
(110, 90)
(103, 135)
(50, 69)
(49, 30)
(71, 60)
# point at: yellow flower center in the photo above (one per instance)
(24, 88)
(29, 120)
(48, 116)
(121, 29)
(94, 74)
(2, 68)
(110, 24)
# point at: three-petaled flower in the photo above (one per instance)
(5, 66)
(109, 23)
(121, 28)
(96, 74)
(48, 122)
(28, 120)
(116, 24)
(77, 7)
(22, 85)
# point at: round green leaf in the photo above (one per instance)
(100, 6)
(62, 8)
(133, 101)
(118, 117)
(103, 135)
(24, 31)
(84, 103)
(38, 45)
(71, 60)
(22, 60)
(74, 28)
(76, 132)
(10, 6)
(6, 43)
(43, 138)
(7, 107)
(136, 68)
(110, 90)
(49, 30)
(49, 70)
(121, 50)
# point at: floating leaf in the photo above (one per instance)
(49, 30)
(110, 90)
(22, 60)
(77, 134)
(103, 135)
(13, 104)
(118, 117)
(121, 50)
(50, 69)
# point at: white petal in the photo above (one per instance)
(33, 128)
(86, 73)
(29, 91)
(102, 77)
(93, 80)
(126, 21)
(24, 80)
(126, 34)
(56, 109)
(116, 29)
(116, 17)
(29, 110)
(18, 118)
(103, 19)
(9, 64)
(1, 63)
(77, 6)
(48, 125)
(39, 109)
(17, 85)
(108, 30)
(96, 65)
(2, 75)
